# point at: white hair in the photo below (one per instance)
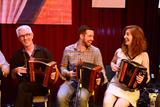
(23, 27)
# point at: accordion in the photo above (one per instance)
(87, 74)
(128, 72)
(41, 70)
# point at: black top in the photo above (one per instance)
(20, 58)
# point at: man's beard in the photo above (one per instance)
(87, 45)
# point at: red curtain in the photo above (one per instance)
(108, 22)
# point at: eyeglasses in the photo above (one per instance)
(25, 35)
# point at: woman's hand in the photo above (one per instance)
(114, 67)
(139, 78)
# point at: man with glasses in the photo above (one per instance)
(19, 67)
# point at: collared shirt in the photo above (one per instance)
(3, 63)
(72, 56)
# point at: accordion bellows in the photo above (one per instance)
(47, 68)
(87, 74)
(128, 72)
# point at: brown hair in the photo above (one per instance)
(139, 43)
(83, 28)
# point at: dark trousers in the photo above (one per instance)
(26, 91)
(158, 100)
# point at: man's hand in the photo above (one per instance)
(53, 75)
(20, 70)
(98, 81)
(5, 72)
(72, 74)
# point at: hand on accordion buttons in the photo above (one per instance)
(139, 78)
(98, 81)
(21, 70)
(53, 75)
(5, 72)
(72, 74)
(114, 67)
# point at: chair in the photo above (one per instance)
(42, 99)
(109, 72)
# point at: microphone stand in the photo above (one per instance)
(79, 87)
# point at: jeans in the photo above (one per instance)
(67, 94)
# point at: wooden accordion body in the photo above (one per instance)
(46, 68)
(87, 74)
(128, 72)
